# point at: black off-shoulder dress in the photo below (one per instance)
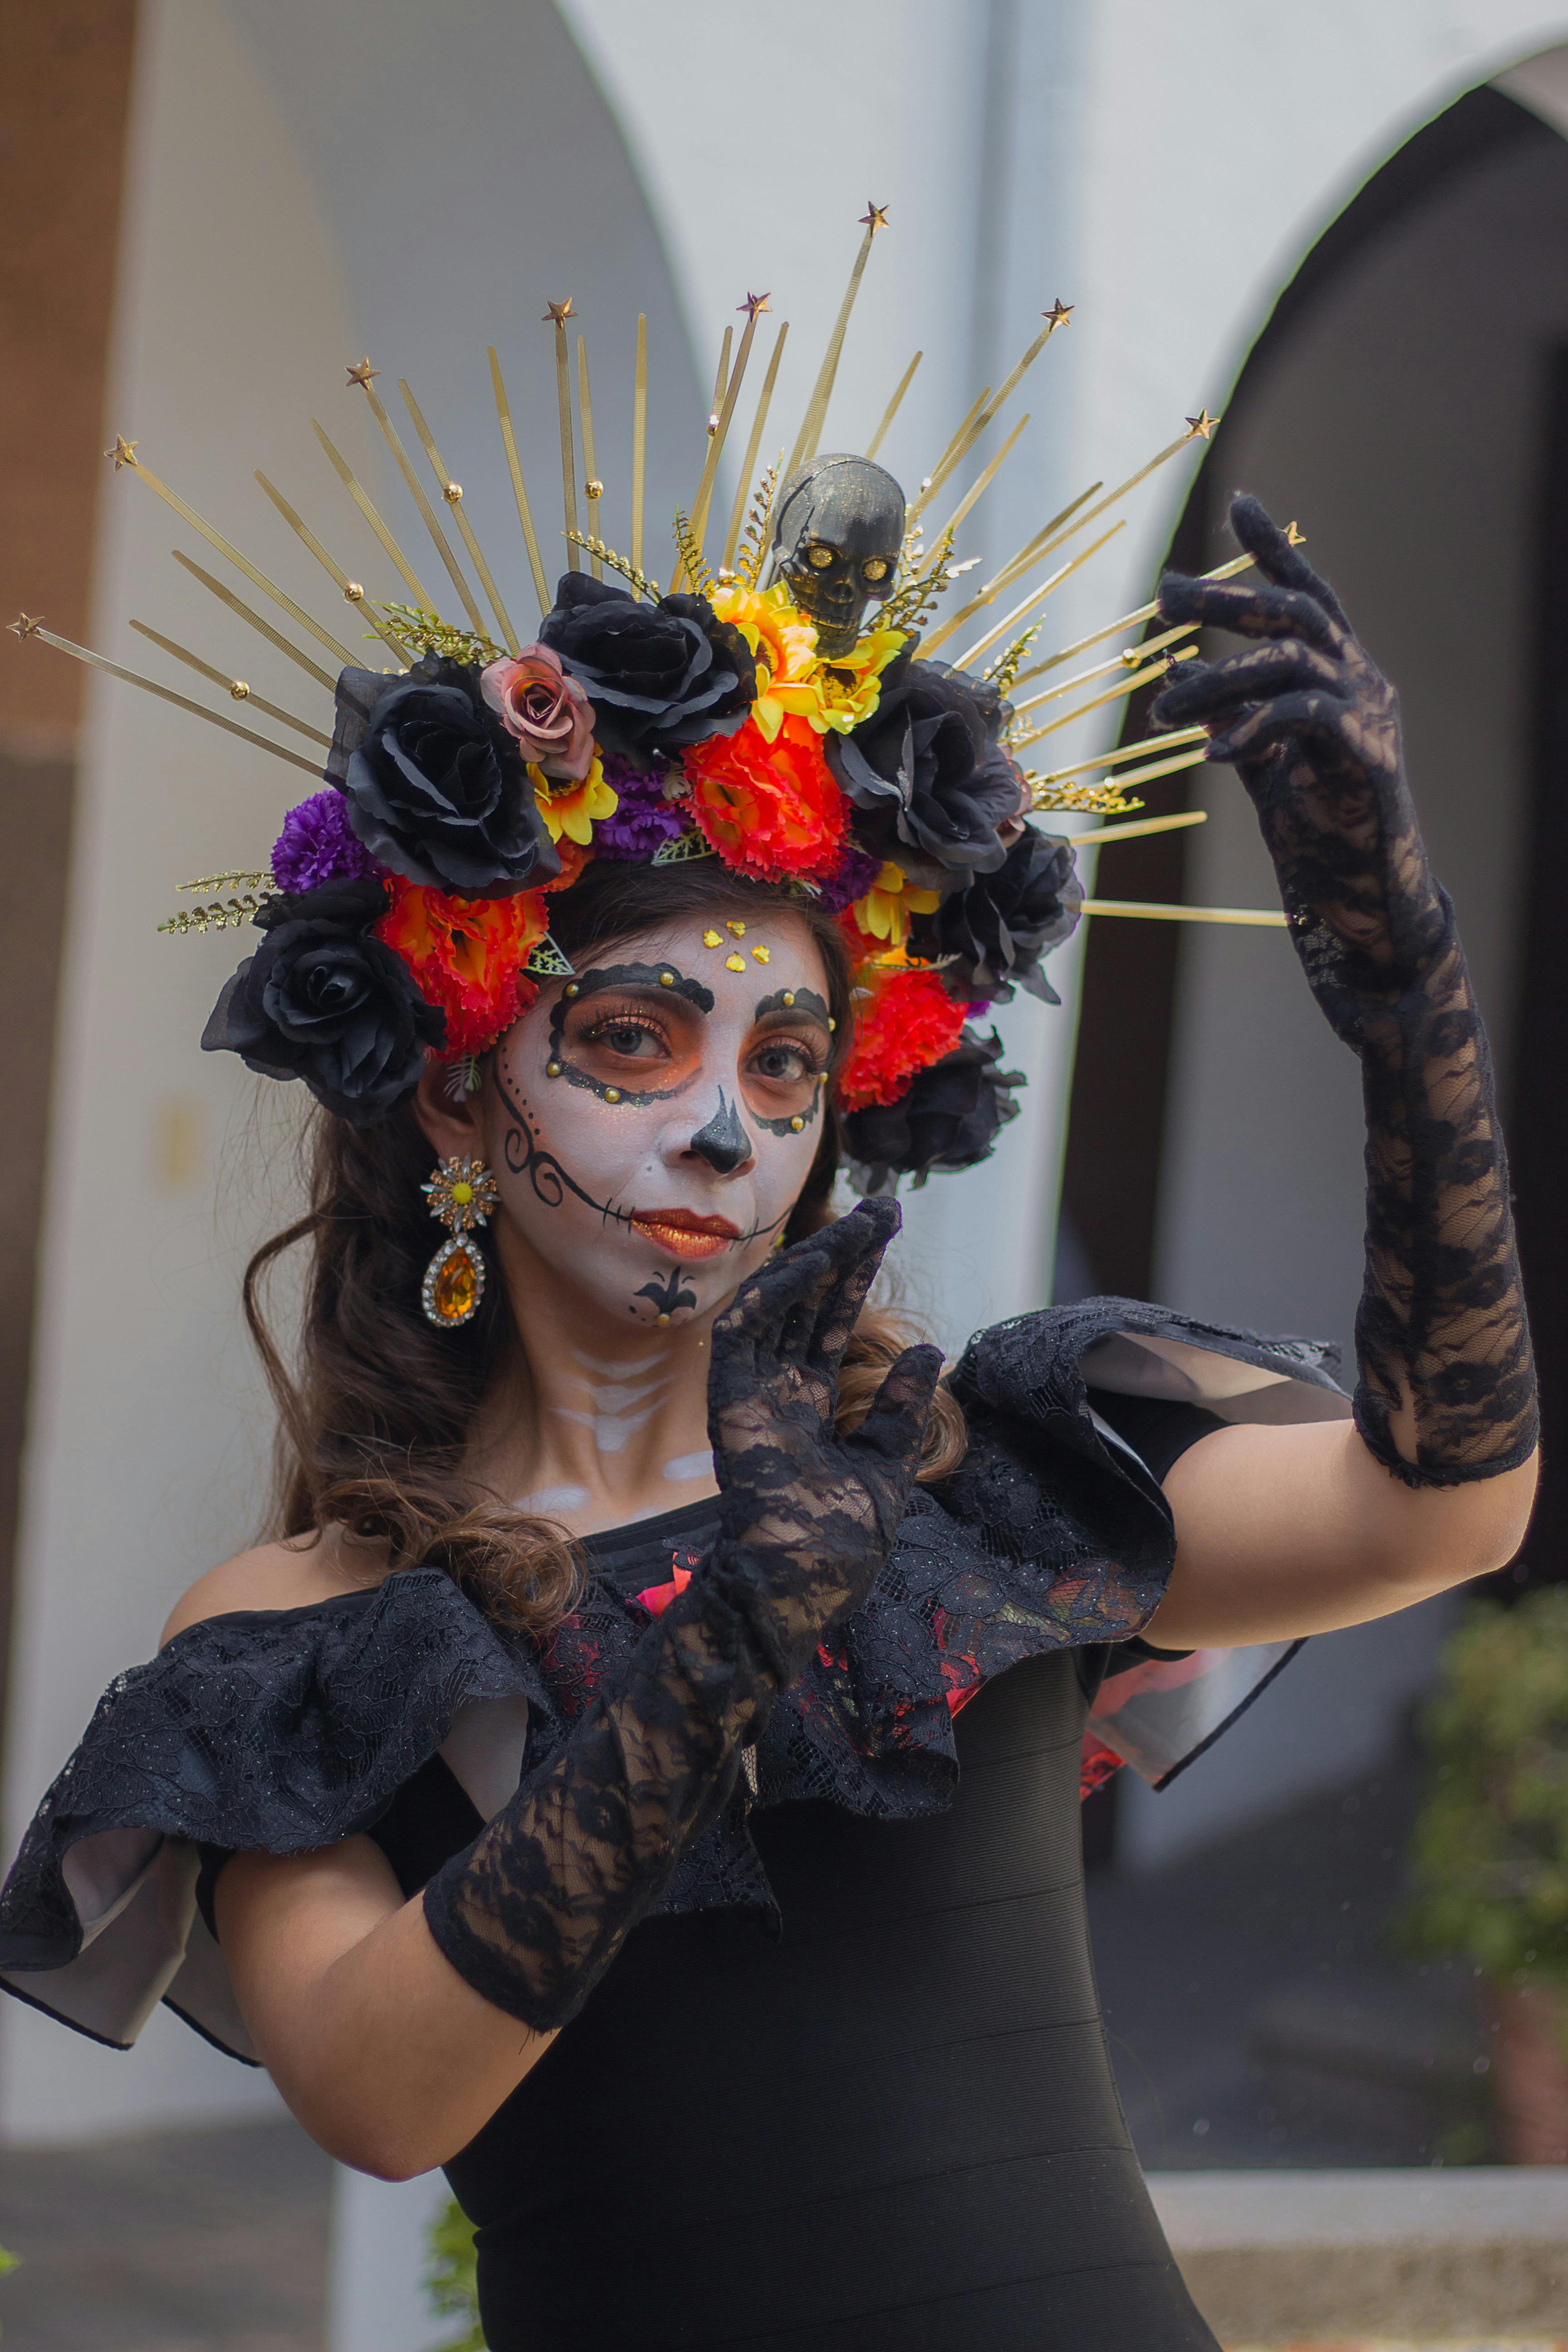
(849, 2086)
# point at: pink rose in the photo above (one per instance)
(547, 712)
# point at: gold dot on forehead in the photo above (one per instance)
(736, 931)
(759, 955)
(735, 963)
(712, 939)
(832, 1023)
(797, 1122)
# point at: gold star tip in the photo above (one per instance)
(1200, 427)
(1294, 535)
(557, 314)
(123, 452)
(26, 624)
(754, 305)
(361, 374)
(874, 217)
(1059, 313)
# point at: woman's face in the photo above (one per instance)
(651, 1121)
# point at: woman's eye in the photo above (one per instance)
(628, 1039)
(785, 1063)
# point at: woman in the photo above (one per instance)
(642, 1776)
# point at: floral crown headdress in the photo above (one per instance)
(783, 710)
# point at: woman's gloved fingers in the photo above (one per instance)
(895, 1426)
(1275, 557)
(779, 1312)
(1253, 611)
(1212, 688)
(1313, 714)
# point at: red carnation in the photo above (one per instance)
(466, 955)
(769, 809)
(911, 1022)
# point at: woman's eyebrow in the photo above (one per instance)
(637, 975)
(793, 1000)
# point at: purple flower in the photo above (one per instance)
(643, 817)
(853, 880)
(317, 846)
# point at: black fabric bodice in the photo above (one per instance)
(893, 2123)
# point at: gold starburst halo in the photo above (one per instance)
(462, 1192)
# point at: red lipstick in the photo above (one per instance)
(685, 1235)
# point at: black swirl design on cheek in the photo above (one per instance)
(523, 1156)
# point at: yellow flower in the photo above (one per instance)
(886, 908)
(791, 680)
(845, 701)
(574, 809)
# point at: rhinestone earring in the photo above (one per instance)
(462, 1192)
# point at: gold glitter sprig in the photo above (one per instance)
(921, 584)
(221, 916)
(425, 633)
(699, 578)
(621, 563)
(753, 552)
(1107, 798)
(247, 880)
(1002, 673)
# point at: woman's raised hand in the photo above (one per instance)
(809, 1515)
(1313, 726)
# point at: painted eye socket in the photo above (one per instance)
(629, 1039)
(785, 1062)
(874, 571)
(819, 557)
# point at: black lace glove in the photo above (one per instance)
(1445, 1388)
(535, 1910)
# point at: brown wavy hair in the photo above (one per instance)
(376, 1407)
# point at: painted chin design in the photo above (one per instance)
(686, 1237)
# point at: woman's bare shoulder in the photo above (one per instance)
(287, 1575)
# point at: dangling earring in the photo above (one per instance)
(462, 1192)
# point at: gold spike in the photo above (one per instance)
(341, 466)
(893, 406)
(556, 315)
(963, 440)
(351, 588)
(592, 489)
(1265, 917)
(1139, 825)
(453, 493)
(1130, 658)
(721, 380)
(235, 687)
(216, 539)
(1074, 563)
(719, 432)
(749, 466)
(1111, 498)
(639, 439)
(815, 416)
(1016, 565)
(404, 465)
(520, 492)
(972, 496)
(167, 694)
(263, 628)
(1177, 738)
(1148, 612)
(1153, 675)
(1056, 317)
(1194, 757)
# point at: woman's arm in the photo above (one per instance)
(1281, 1532)
(388, 2059)
(1289, 1531)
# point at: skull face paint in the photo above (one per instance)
(837, 533)
(651, 1121)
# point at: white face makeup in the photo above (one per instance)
(651, 1121)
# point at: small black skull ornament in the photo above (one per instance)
(837, 531)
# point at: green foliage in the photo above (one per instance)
(450, 2275)
(1489, 1854)
(7, 2262)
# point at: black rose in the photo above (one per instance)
(994, 933)
(436, 787)
(927, 772)
(323, 1001)
(948, 1117)
(659, 675)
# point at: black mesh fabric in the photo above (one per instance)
(1446, 1385)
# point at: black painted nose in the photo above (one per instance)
(723, 1143)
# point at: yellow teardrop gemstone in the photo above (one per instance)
(455, 1288)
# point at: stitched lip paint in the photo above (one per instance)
(684, 1235)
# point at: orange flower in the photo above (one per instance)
(466, 955)
(911, 1023)
(769, 809)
